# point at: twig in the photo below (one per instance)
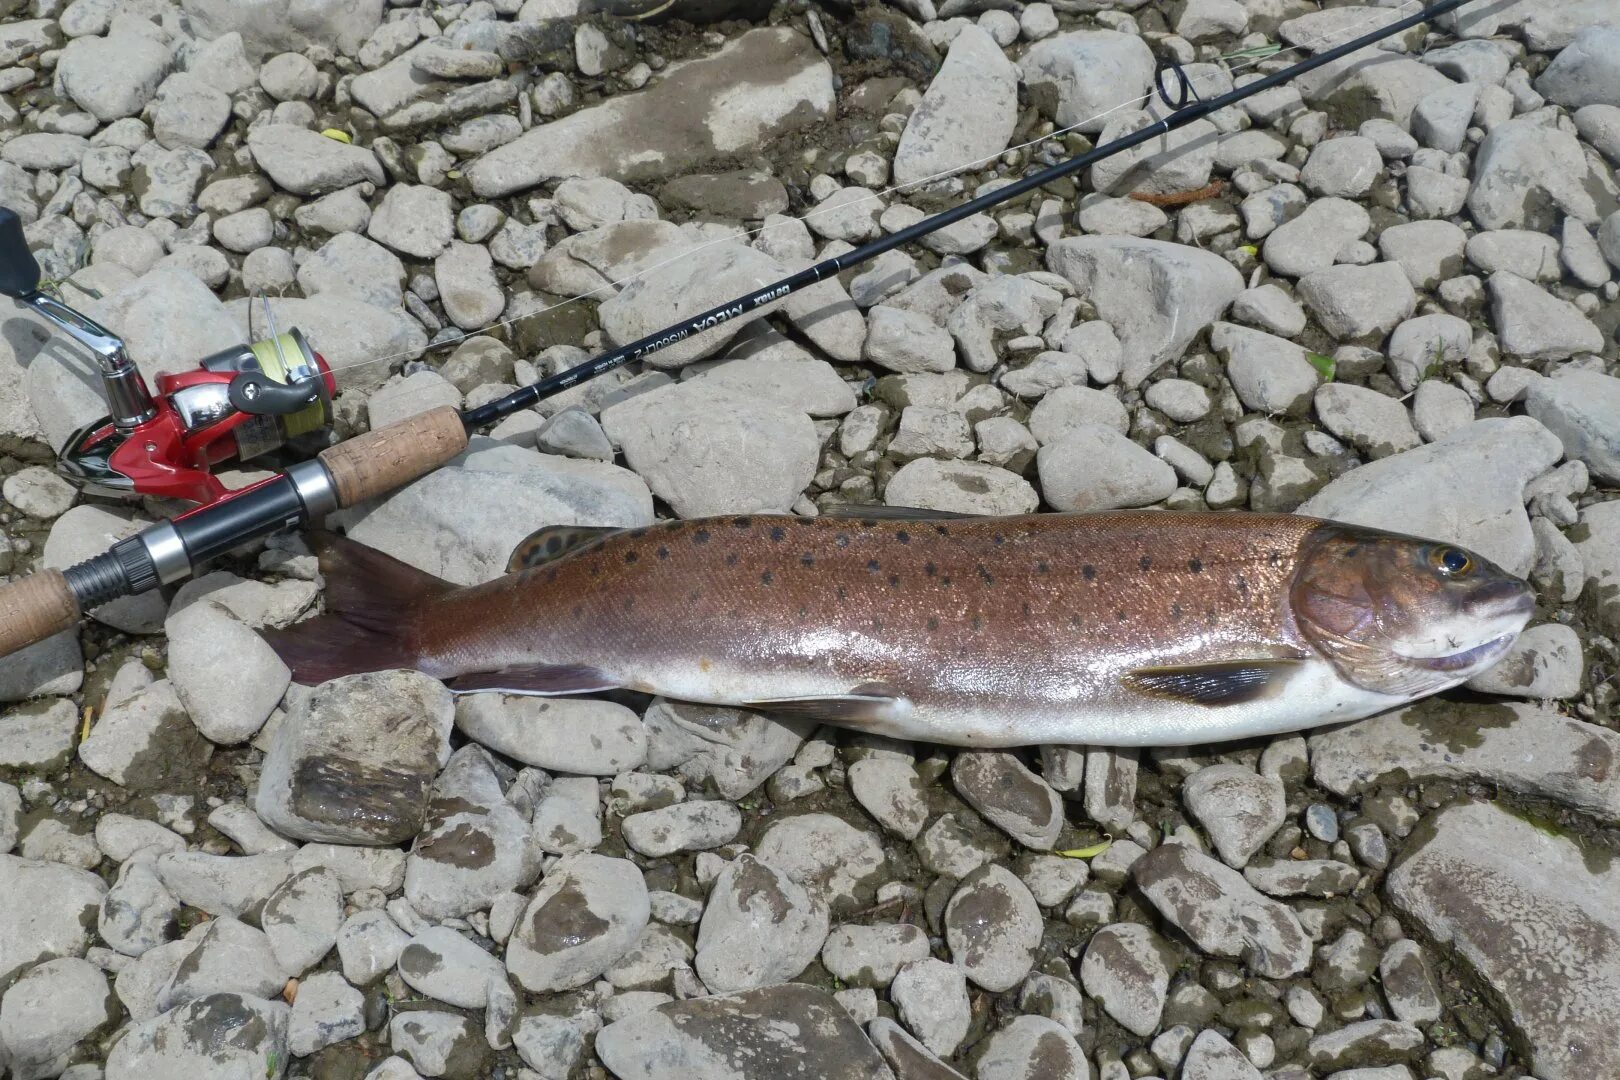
(1179, 198)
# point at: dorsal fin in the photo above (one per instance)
(553, 542)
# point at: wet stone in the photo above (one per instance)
(448, 967)
(735, 749)
(49, 1011)
(931, 997)
(48, 912)
(1221, 912)
(760, 927)
(327, 1011)
(1009, 796)
(1237, 807)
(439, 1043)
(832, 858)
(1367, 1042)
(1302, 877)
(368, 945)
(993, 927)
(1346, 963)
(567, 819)
(302, 919)
(1408, 983)
(790, 1031)
(474, 845)
(688, 826)
(353, 761)
(871, 955)
(588, 911)
(139, 739)
(652, 961)
(222, 884)
(229, 957)
(905, 1055)
(218, 1035)
(1127, 969)
(1032, 1046)
(888, 788)
(1211, 1057)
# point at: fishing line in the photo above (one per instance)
(611, 288)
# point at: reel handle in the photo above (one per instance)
(19, 272)
(34, 608)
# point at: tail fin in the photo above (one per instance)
(373, 602)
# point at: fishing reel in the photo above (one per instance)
(242, 403)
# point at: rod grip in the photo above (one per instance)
(34, 608)
(380, 461)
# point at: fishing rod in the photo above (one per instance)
(269, 394)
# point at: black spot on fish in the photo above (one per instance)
(1145, 563)
(631, 558)
(943, 530)
(978, 623)
(766, 578)
(894, 580)
(693, 596)
(930, 569)
(732, 559)
(877, 624)
(841, 540)
(842, 593)
(868, 523)
(663, 552)
(1242, 584)
(742, 523)
(1026, 609)
(903, 536)
(933, 623)
(1041, 567)
(804, 612)
(1195, 565)
(1088, 572)
(637, 534)
(807, 559)
(553, 545)
(986, 576)
(778, 533)
(675, 526)
(1121, 616)
(998, 539)
(1274, 557)
(1075, 621)
(629, 602)
(873, 566)
(1175, 612)
(945, 581)
(701, 536)
(579, 609)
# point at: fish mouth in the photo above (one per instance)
(1467, 658)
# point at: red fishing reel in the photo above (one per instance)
(243, 402)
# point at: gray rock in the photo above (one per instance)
(1517, 746)
(1097, 468)
(1009, 796)
(824, 853)
(229, 957)
(931, 998)
(1420, 347)
(552, 1045)
(1110, 787)
(571, 735)
(1128, 281)
(1179, 160)
(1211, 1057)
(1536, 325)
(1355, 302)
(1408, 983)
(327, 1011)
(871, 955)
(1221, 912)
(471, 293)
(414, 220)
(966, 115)
(224, 1035)
(1269, 308)
(1312, 240)
(1429, 251)
(1127, 969)
(114, 76)
(993, 927)
(51, 1009)
(888, 788)
(1374, 423)
(350, 263)
(1441, 120)
(688, 826)
(120, 836)
(39, 735)
(1599, 125)
(767, 364)
(901, 340)
(585, 915)
(789, 1030)
(1068, 409)
(281, 26)
(474, 846)
(1526, 174)
(1179, 399)
(1031, 1046)
(1269, 374)
(1366, 1042)
(766, 83)
(760, 927)
(45, 150)
(352, 762)
(927, 431)
(307, 163)
(1104, 216)
(1467, 488)
(962, 487)
(142, 739)
(448, 967)
(674, 438)
(225, 675)
(1324, 878)
(574, 433)
(438, 1043)
(1529, 254)
(1345, 167)
(302, 919)
(734, 749)
(1545, 663)
(368, 945)
(1078, 77)
(1237, 807)
(222, 884)
(1599, 550)
(1585, 72)
(138, 914)
(567, 819)
(49, 912)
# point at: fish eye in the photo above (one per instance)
(1451, 562)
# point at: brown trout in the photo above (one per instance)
(1136, 628)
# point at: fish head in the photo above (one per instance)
(1404, 616)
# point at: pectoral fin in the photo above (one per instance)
(1227, 682)
(540, 680)
(553, 542)
(865, 706)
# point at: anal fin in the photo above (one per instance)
(1225, 682)
(539, 680)
(867, 705)
(553, 542)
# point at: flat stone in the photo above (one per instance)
(766, 83)
(1009, 796)
(49, 1011)
(760, 927)
(961, 487)
(1238, 807)
(1079, 76)
(1270, 374)
(222, 884)
(1374, 423)
(863, 955)
(1031, 1046)
(734, 749)
(1221, 912)
(439, 1043)
(414, 220)
(1429, 251)
(791, 1031)
(1127, 969)
(931, 998)
(449, 967)
(1528, 174)
(993, 927)
(824, 853)
(1585, 71)
(966, 115)
(368, 945)
(1097, 468)
(114, 76)
(585, 915)
(302, 918)
(1211, 1057)
(571, 735)
(327, 1011)
(229, 957)
(1357, 302)
(1536, 325)
(690, 826)
(1312, 240)
(226, 676)
(1544, 663)
(225, 1034)
(474, 846)
(50, 910)
(307, 163)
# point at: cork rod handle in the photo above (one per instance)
(35, 608)
(380, 461)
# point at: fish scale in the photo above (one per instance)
(1123, 628)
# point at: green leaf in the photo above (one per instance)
(1323, 364)
(1086, 852)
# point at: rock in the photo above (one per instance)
(1009, 796)
(1210, 1057)
(49, 1011)
(53, 666)
(1079, 77)
(764, 363)
(1269, 374)
(760, 927)
(352, 762)
(1180, 160)
(790, 1031)
(1129, 282)
(414, 220)
(932, 1000)
(888, 788)
(961, 487)
(927, 431)
(439, 1043)
(571, 735)
(825, 854)
(1179, 399)
(302, 918)
(222, 884)
(1586, 71)
(369, 944)
(1345, 167)
(1363, 86)
(674, 438)
(461, 521)
(225, 1035)
(142, 740)
(1355, 302)
(901, 340)
(306, 163)
(327, 1011)
(229, 957)
(1545, 663)
(471, 294)
(567, 819)
(448, 967)
(1127, 969)
(1517, 746)
(1110, 787)
(733, 749)
(1535, 324)
(1323, 878)
(993, 927)
(1070, 408)
(585, 915)
(114, 76)
(48, 915)
(350, 263)
(1442, 118)
(1373, 423)
(39, 735)
(1527, 174)
(225, 675)
(280, 26)
(689, 826)
(871, 955)
(1312, 240)
(766, 83)
(1097, 468)
(1031, 1046)
(683, 287)
(1429, 251)
(1237, 807)
(1221, 912)
(1408, 984)
(1420, 346)
(1529, 254)
(1375, 1042)
(137, 914)
(907, 1056)
(966, 115)
(1467, 488)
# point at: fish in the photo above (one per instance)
(1123, 628)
